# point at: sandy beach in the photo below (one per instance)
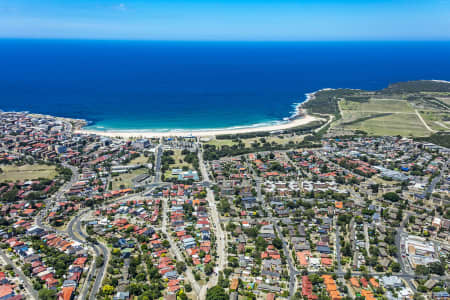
(199, 133)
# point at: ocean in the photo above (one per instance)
(133, 85)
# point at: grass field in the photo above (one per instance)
(220, 143)
(353, 115)
(139, 160)
(26, 172)
(395, 124)
(435, 120)
(179, 160)
(402, 120)
(125, 179)
(379, 105)
(446, 99)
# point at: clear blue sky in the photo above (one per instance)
(227, 19)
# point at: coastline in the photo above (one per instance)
(298, 121)
(298, 118)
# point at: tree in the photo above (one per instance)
(422, 270)
(277, 243)
(216, 293)
(227, 272)
(181, 267)
(391, 196)
(47, 294)
(135, 289)
(108, 289)
(395, 267)
(392, 250)
(182, 296)
(374, 188)
(260, 243)
(315, 279)
(233, 262)
(436, 268)
(209, 269)
(230, 227)
(348, 274)
(99, 261)
(11, 195)
(347, 250)
(223, 282)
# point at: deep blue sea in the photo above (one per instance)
(193, 85)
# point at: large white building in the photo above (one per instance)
(419, 250)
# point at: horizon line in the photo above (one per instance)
(227, 40)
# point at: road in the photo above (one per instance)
(434, 181)
(292, 271)
(400, 252)
(18, 271)
(291, 267)
(158, 154)
(221, 237)
(338, 246)
(49, 202)
(330, 119)
(174, 248)
(424, 123)
(352, 234)
(366, 239)
(74, 230)
(175, 251)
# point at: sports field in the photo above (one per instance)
(26, 172)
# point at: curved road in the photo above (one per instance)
(73, 229)
(70, 232)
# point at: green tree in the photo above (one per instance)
(422, 270)
(108, 289)
(395, 267)
(348, 274)
(277, 243)
(209, 269)
(99, 261)
(436, 268)
(181, 267)
(47, 294)
(216, 293)
(391, 196)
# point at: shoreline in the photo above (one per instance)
(298, 118)
(298, 121)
